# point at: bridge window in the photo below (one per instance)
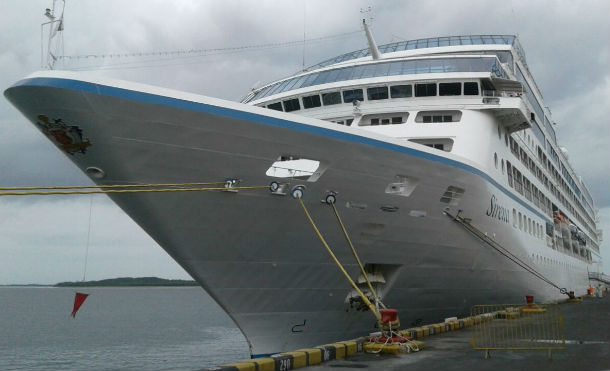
(471, 88)
(352, 95)
(291, 105)
(450, 88)
(377, 93)
(401, 91)
(425, 90)
(275, 106)
(311, 101)
(331, 98)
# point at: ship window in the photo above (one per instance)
(401, 91)
(352, 95)
(471, 88)
(386, 119)
(311, 101)
(520, 222)
(291, 105)
(348, 122)
(377, 93)
(436, 146)
(451, 88)
(275, 106)
(438, 116)
(514, 218)
(425, 90)
(443, 144)
(331, 98)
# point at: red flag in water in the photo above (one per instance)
(79, 299)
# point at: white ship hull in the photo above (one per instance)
(255, 252)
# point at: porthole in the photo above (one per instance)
(496, 160)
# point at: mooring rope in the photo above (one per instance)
(112, 186)
(504, 251)
(351, 245)
(128, 191)
(339, 265)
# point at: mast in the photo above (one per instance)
(372, 45)
(56, 26)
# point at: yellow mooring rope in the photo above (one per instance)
(198, 189)
(112, 186)
(332, 255)
(351, 245)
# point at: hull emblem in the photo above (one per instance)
(67, 137)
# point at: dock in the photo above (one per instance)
(586, 328)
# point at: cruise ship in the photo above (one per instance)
(439, 155)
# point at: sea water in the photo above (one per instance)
(116, 329)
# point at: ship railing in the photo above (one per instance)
(600, 277)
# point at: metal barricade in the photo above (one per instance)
(517, 327)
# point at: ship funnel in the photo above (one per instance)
(372, 46)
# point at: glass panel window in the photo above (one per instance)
(401, 91)
(471, 88)
(331, 98)
(377, 93)
(312, 101)
(395, 68)
(451, 88)
(291, 105)
(397, 120)
(352, 95)
(425, 90)
(443, 41)
(275, 106)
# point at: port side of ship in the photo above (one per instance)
(405, 141)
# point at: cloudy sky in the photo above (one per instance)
(44, 240)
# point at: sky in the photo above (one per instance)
(44, 239)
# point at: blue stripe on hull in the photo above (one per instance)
(262, 119)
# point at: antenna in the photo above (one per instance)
(55, 27)
(304, 28)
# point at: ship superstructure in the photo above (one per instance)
(437, 151)
(433, 80)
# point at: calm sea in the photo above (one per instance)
(115, 329)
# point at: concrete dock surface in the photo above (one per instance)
(587, 333)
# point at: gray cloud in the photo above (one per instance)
(567, 44)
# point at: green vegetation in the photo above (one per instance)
(128, 281)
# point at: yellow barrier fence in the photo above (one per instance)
(518, 327)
